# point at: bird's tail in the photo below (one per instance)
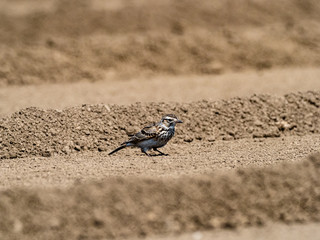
(117, 149)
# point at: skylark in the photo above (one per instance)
(153, 136)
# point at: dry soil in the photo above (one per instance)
(77, 77)
(233, 163)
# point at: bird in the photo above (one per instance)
(153, 136)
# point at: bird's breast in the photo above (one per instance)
(166, 135)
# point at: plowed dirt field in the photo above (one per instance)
(233, 163)
(77, 77)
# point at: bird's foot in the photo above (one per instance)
(160, 153)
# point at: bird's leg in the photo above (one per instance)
(145, 152)
(161, 153)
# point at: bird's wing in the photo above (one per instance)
(146, 133)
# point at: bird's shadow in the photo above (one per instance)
(156, 155)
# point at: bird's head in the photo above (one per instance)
(170, 120)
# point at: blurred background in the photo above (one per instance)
(59, 53)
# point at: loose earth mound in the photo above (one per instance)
(128, 206)
(39, 132)
(67, 41)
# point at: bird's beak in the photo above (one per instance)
(179, 121)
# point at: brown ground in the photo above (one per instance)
(177, 89)
(62, 171)
(50, 158)
(127, 206)
(73, 40)
(242, 75)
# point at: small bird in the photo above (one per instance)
(153, 136)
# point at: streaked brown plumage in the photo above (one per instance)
(153, 136)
